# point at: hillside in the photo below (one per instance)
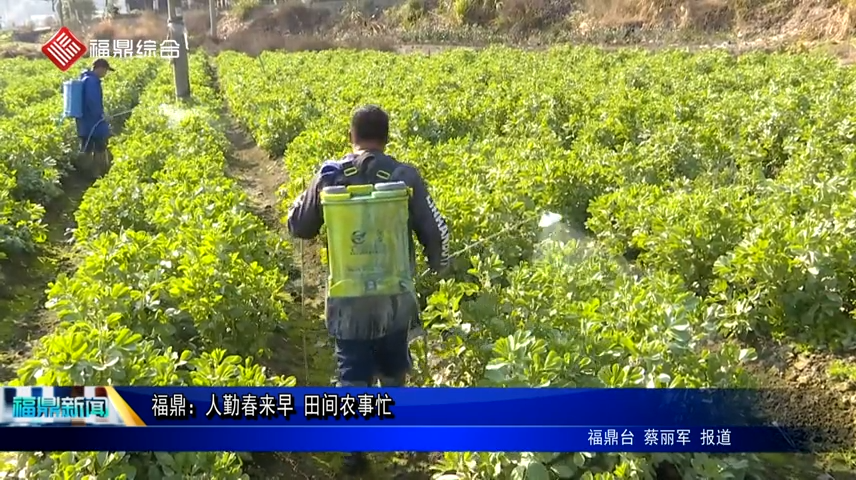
(251, 27)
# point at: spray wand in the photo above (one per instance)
(99, 122)
(547, 220)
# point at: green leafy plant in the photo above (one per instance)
(175, 274)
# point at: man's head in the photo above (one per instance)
(101, 67)
(369, 128)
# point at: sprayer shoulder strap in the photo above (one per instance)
(366, 169)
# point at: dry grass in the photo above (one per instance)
(524, 15)
(293, 26)
(822, 19)
(20, 50)
(805, 19)
(297, 26)
(253, 42)
(146, 26)
(293, 18)
(828, 19)
(149, 26)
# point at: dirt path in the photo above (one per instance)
(823, 392)
(260, 177)
(23, 317)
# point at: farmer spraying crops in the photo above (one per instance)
(92, 127)
(371, 204)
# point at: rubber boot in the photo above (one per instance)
(415, 331)
(355, 463)
(101, 162)
(90, 167)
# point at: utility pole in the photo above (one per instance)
(180, 67)
(212, 17)
(59, 8)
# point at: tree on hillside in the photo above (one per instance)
(79, 12)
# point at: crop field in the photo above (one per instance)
(708, 237)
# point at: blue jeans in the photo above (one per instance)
(361, 362)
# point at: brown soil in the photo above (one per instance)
(23, 317)
(812, 398)
(258, 174)
(260, 177)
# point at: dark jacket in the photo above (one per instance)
(374, 317)
(93, 108)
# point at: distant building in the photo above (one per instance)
(43, 20)
(148, 5)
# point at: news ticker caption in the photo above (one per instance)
(707, 437)
(345, 407)
(253, 407)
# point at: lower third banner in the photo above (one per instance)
(390, 438)
(414, 419)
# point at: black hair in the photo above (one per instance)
(370, 123)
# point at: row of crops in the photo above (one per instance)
(37, 147)
(178, 283)
(706, 197)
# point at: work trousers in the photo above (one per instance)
(361, 362)
(93, 161)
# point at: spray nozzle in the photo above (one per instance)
(548, 219)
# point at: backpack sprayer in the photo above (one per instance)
(72, 106)
(375, 197)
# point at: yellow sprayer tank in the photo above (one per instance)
(368, 239)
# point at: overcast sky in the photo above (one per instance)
(19, 11)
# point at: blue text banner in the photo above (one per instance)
(335, 437)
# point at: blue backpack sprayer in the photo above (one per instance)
(72, 105)
(72, 98)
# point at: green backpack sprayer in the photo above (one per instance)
(368, 239)
(368, 243)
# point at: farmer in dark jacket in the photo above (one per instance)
(92, 128)
(371, 331)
